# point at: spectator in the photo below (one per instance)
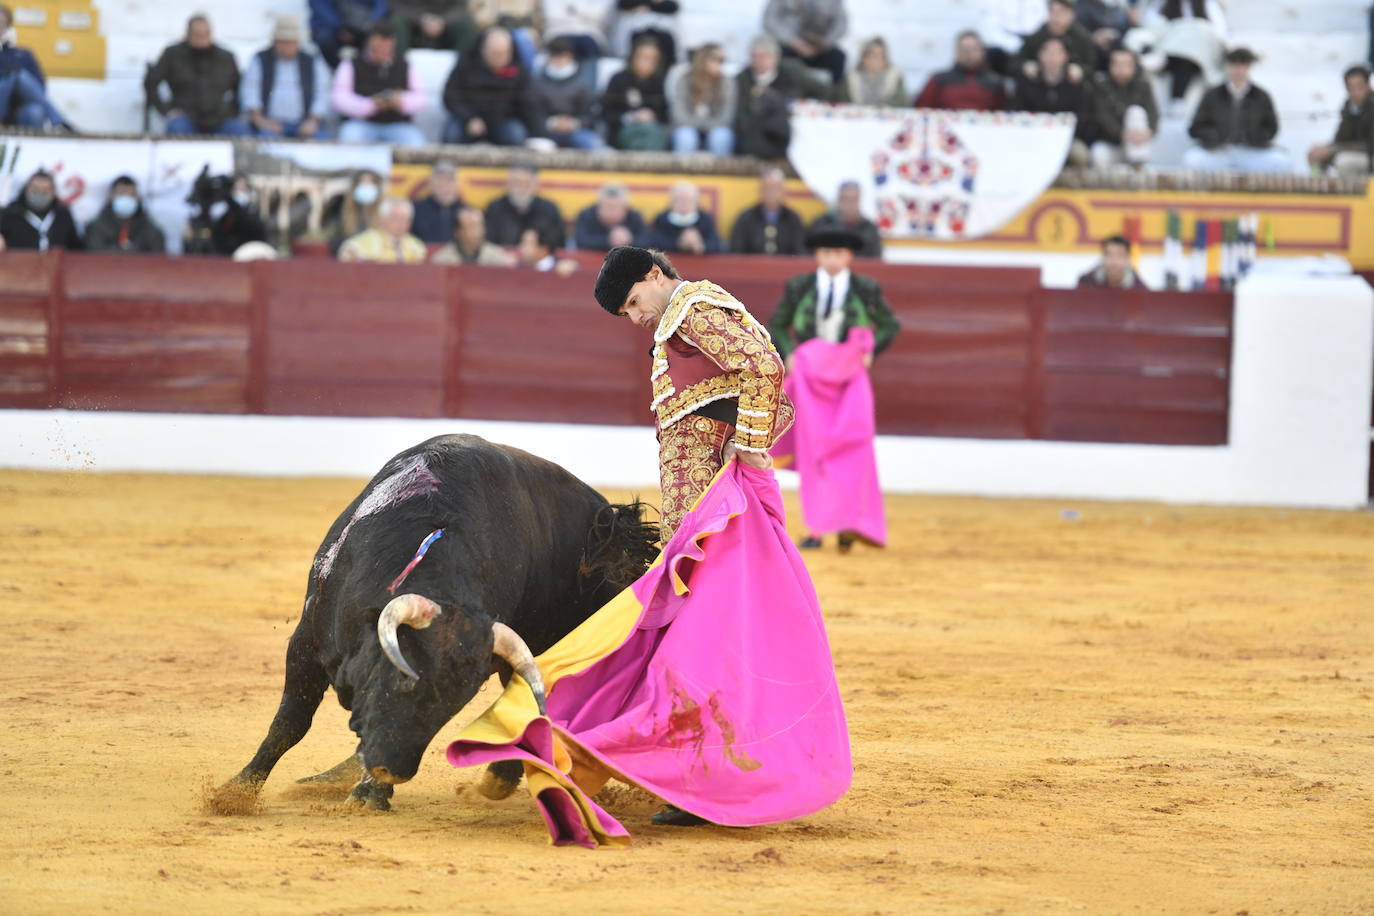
(875, 81)
(486, 94)
(379, 94)
(1351, 152)
(810, 31)
(969, 85)
(684, 226)
(583, 22)
(1115, 271)
(23, 90)
(763, 90)
(562, 102)
(285, 90)
(1235, 124)
(1063, 25)
(536, 251)
(470, 245)
(354, 211)
(770, 226)
(610, 222)
(1194, 32)
(37, 220)
(1107, 21)
(701, 103)
(123, 225)
(1057, 87)
(652, 19)
(390, 242)
(1124, 112)
(339, 24)
(521, 208)
(1003, 26)
(524, 19)
(204, 83)
(437, 212)
(233, 222)
(435, 25)
(635, 105)
(848, 216)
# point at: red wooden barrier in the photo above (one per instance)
(983, 352)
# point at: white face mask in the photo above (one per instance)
(560, 72)
(682, 219)
(243, 198)
(218, 209)
(365, 194)
(124, 206)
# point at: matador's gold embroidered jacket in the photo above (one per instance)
(708, 347)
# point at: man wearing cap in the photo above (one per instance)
(285, 91)
(1236, 123)
(716, 378)
(827, 304)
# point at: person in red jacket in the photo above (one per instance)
(969, 84)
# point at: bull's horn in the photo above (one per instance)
(508, 645)
(411, 610)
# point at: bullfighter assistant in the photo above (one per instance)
(717, 379)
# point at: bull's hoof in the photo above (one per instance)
(495, 786)
(235, 797)
(370, 794)
(673, 816)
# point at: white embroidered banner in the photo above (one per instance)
(926, 173)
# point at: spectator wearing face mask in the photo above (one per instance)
(561, 102)
(37, 220)
(684, 226)
(235, 222)
(355, 211)
(123, 225)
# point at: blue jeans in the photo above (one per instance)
(22, 91)
(1246, 159)
(234, 127)
(510, 132)
(720, 140)
(582, 138)
(399, 133)
(292, 129)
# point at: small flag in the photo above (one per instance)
(1175, 267)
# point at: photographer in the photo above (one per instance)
(223, 219)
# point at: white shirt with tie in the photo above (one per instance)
(831, 291)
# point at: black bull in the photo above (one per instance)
(527, 553)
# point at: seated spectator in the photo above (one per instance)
(701, 103)
(379, 94)
(1235, 124)
(123, 225)
(535, 251)
(583, 22)
(610, 222)
(23, 90)
(635, 104)
(875, 81)
(486, 94)
(390, 241)
(1057, 88)
(1107, 21)
(355, 211)
(435, 25)
(37, 220)
(204, 83)
(285, 90)
(763, 90)
(1115, 271)
(225, 223)
(770, 226)
(810, 31)
(1124, 112)
(655, 20)
(562, 102)
(437, 212)
(1061, 24)
(524, 19)
(1194, 32)
(470, 245)
(970, 85)
(1003, 27)
(1351, 151)
(848, 216)
(522, 208)
(339, 24)
(684, 226)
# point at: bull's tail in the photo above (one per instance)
(620, 546)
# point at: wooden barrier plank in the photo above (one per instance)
(156, 278)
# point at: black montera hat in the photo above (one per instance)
(624, 266)
(833, 238)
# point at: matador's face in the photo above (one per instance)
(648, 300)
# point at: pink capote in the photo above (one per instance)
(722, 699)
(831, 443)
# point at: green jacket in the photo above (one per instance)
(794, 321)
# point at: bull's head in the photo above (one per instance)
(404, 707)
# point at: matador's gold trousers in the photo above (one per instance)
(689, 456)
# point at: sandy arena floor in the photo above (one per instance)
(1138, 709)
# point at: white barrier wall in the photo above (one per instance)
(1302, 372)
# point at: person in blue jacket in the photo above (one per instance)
(23, 90)
(339, 24)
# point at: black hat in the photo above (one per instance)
(624, 266)
(1241, 56)
(833, 238)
